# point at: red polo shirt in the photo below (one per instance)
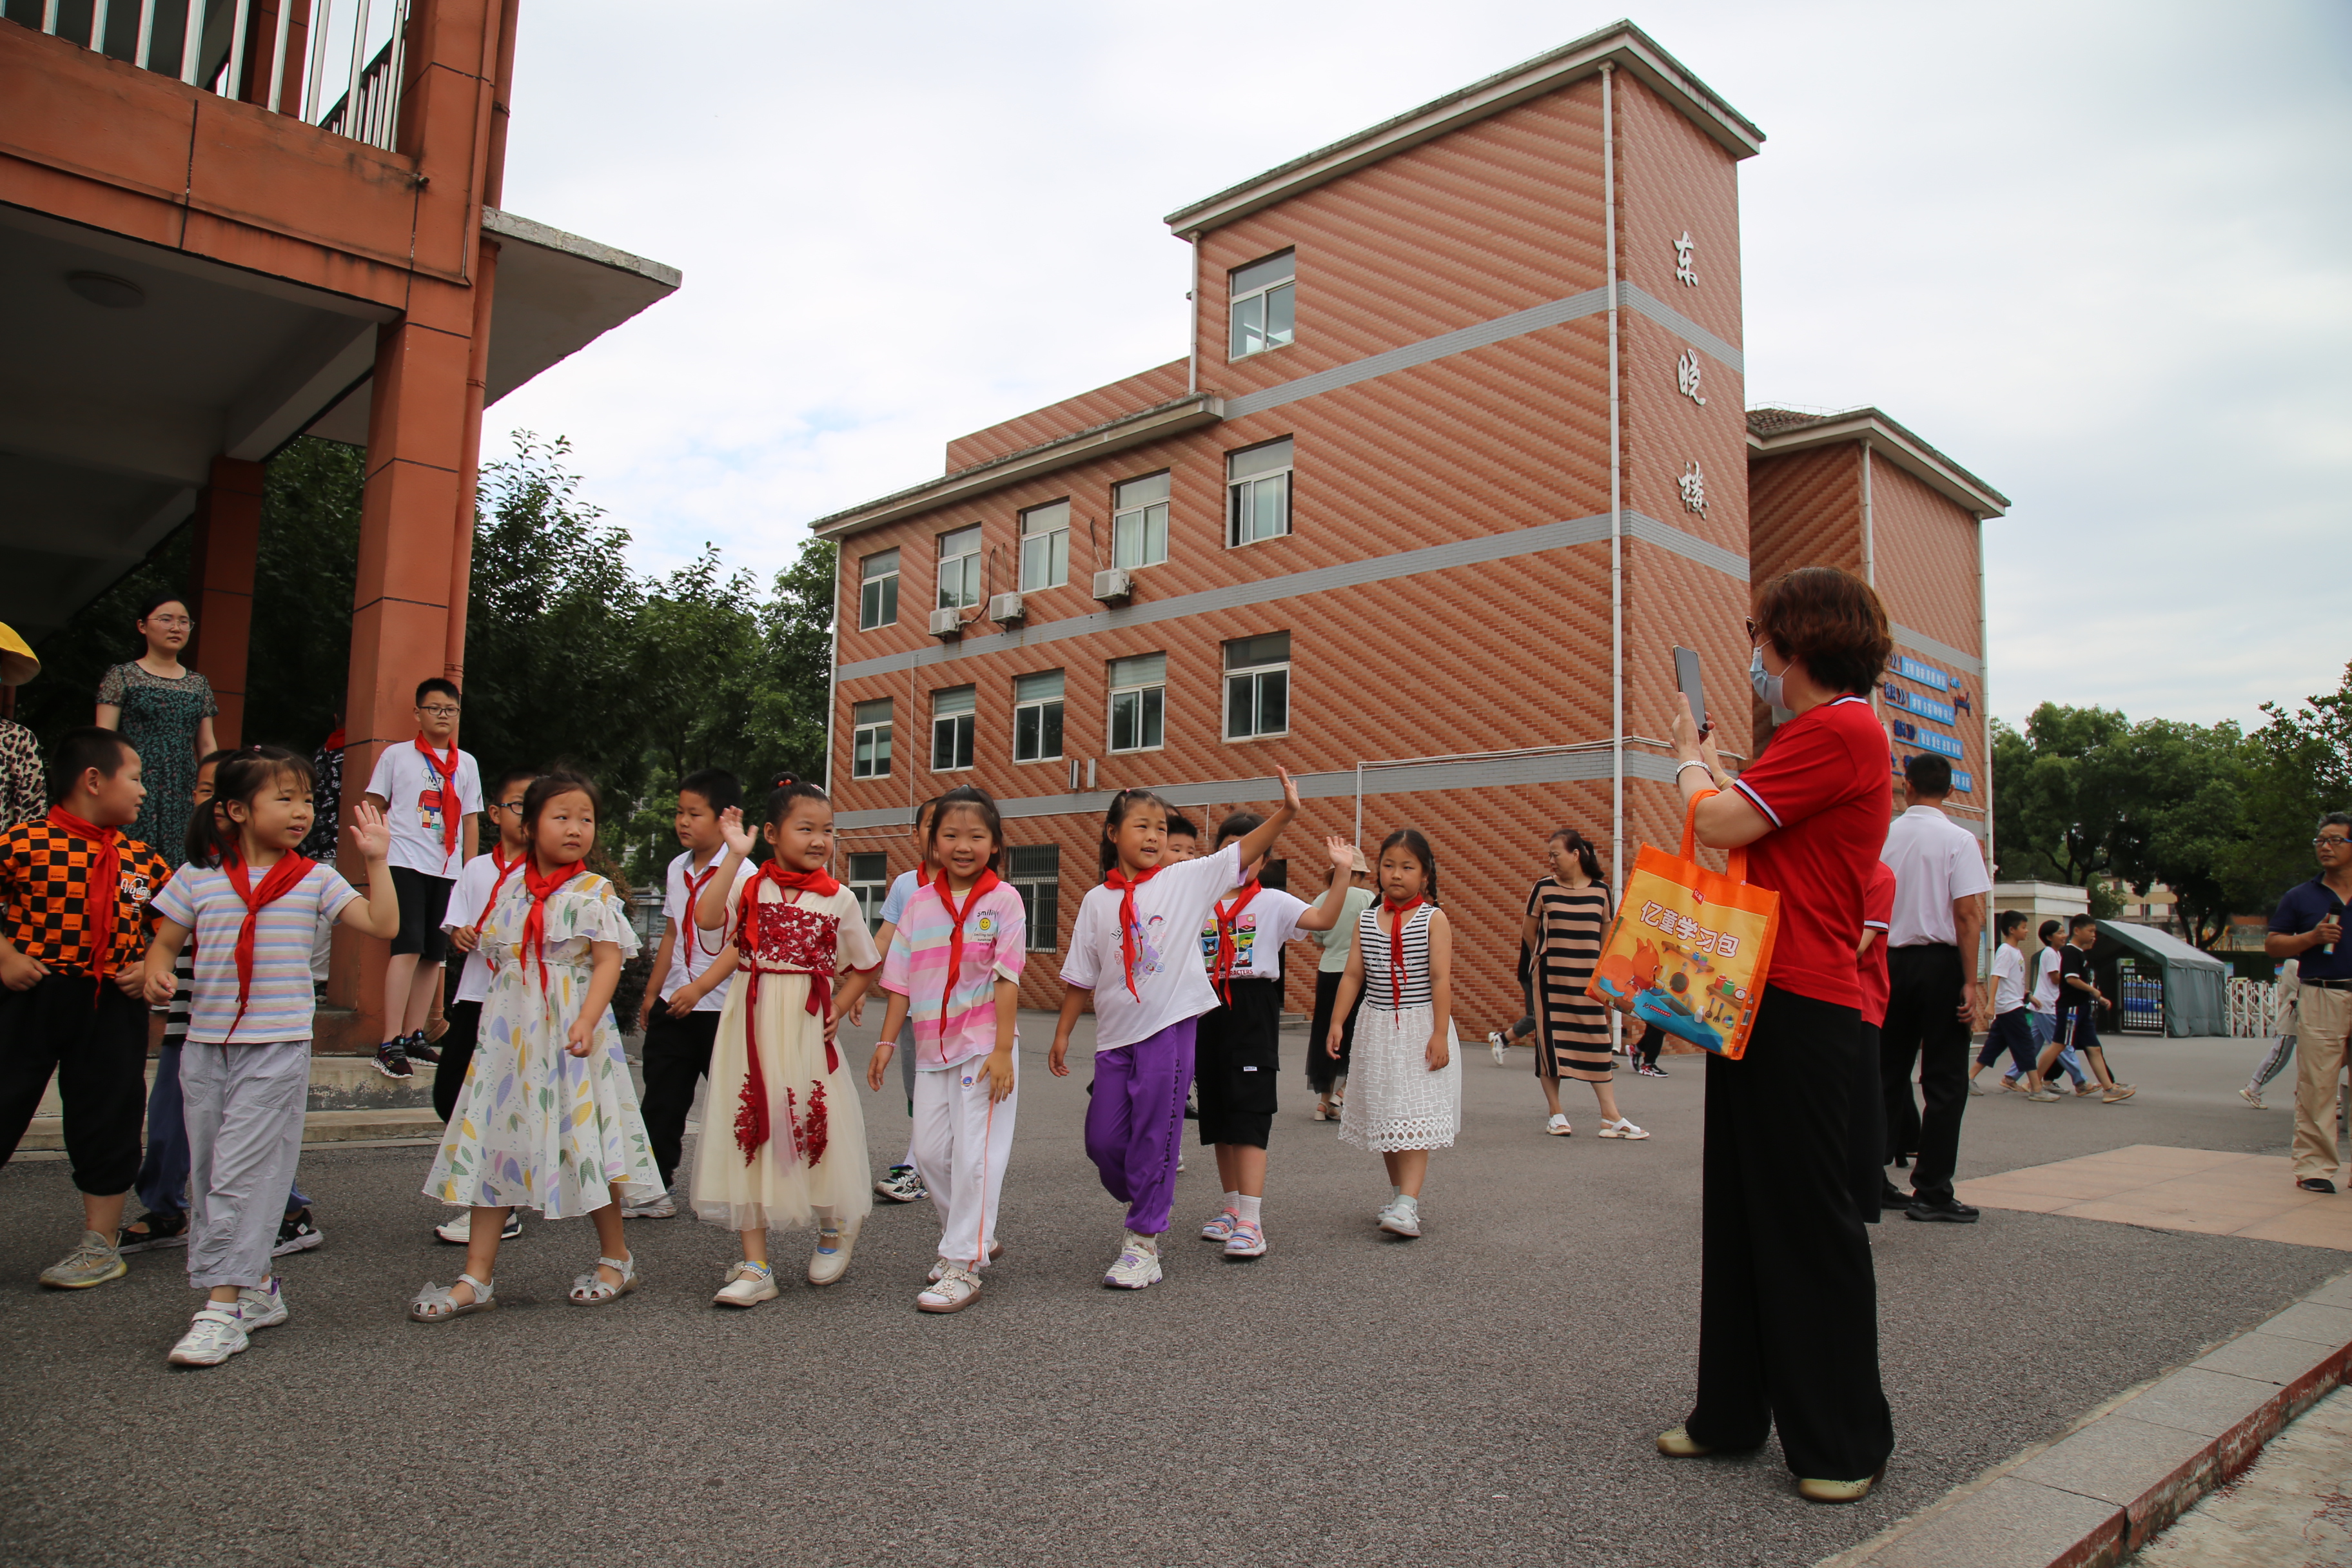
(1822, 786)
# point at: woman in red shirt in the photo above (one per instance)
(1787, 1301)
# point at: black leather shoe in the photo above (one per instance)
(1892, 1196)
(2317, 1185)
(1951, 1211)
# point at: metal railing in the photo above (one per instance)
(208, 43)
(2253, 1008)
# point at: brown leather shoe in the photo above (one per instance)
(1839, 1491)
(1677, 1443)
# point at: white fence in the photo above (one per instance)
(2253, 1009)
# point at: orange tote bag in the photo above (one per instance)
(1689, 948)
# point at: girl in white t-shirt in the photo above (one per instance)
(1138, 932)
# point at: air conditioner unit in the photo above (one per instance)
(1113, 584)
(947, 623)
(1004, 608)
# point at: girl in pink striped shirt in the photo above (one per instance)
(955, 967)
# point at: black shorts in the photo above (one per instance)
(98, 1055)
(423, 904)
(1235, 1059)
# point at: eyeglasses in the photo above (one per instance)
(513, 805)
(169, 622)
(1753, 631)
(439, 710)
(2323, 841)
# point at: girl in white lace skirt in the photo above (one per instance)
(1404, 1080)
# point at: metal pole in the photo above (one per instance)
(192, 39)
(1869, 533)
(238, 25)
(323, 15)
(350, 126)
(50, 17)
(278, 57)
(146, 33)
(1358, 839)
(98, 25)
(1616, 490)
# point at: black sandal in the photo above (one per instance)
(163, 1230)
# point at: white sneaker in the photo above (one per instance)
(902, 1185)
(2252, 1097)
(1559, 1127)
(1496, 1044)
(950, 1291)
(1138, 1266)
(661, 1207)
(264, 1308)
(940, 1267)
(460, 1231)
(214, 1335)
(748, 1285)
(1622, 1128)
(1401, 1217)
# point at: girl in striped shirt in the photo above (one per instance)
(954, 966)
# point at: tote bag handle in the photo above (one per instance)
(1737, 868)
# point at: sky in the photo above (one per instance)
(2099, 254)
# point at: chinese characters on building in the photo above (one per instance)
(1687, 376)
(1683, 273)
(1693, 486)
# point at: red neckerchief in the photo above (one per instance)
(506, 868)
(1125, 886)
(105, 871)
(694, 886)
(1402, 912)
(988, 882)
(276, 883)
(1227, 948)
(752, 1119)
(534, 924)
(448, 773)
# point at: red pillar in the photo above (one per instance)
(220, 586)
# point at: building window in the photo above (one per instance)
(1035, 873)
(1258, 481)
(1257, 687)
(1046, 546)
(1138, 702)
(869, 746)
(959, 569)
(878, 591)
(952, 723)
(1138, 521)
(869, 878)
(1037, 717)
(1264, 314)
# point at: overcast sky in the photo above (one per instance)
(2096, 253)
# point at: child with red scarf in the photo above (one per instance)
(783, 1138)
(430, 794)
(954, 966)
(1132, 951)
(76, 888)
(1237, 1050)
(252, 901)
(549, 1118)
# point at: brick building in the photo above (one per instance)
(1457, 454)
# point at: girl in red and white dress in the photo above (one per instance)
(784, 1138)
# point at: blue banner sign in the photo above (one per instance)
(1912, 670)
(1918, 703)
(1942, 745)
(1963, 782)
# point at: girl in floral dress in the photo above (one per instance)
(548, 1118)
(783, 1138)
(165, 710)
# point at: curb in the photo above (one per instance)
(46, 1134)
(2104, 1489)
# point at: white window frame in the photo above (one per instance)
(961, 723)
(1046, 546)
(1039, 706)
(869, 892)
(1243, 490)
(868, 735)
(1136, 518)
(877, 585)
(965, 563)
(1143, 692)
(1255, 674)
(1251, 311)
(1043, 935)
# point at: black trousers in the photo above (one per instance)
(1788, 1315)
(1865, 1130)
(456, 1050)
(1322, 1070)
(100, 1056)
(1924, 1030)
(678, 1051)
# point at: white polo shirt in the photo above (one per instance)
(1935, 860)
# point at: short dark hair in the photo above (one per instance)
(79, 750)
(441, 683)
(214, 839)
(1177, 821)
(508, 779)
(1831, 619)
(718, 788)
(1238, 825)
(2079, 921)
(1926, 774)
(2334, 819)
(214, 759)
(2010, 919)
(977, 801)
(2048, 929)
(154, 602)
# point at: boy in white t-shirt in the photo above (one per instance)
(1133, 948)
(1236, 1047)
(2042, 1013)
(2010, 1030)
(681, 1018)
(431, 796)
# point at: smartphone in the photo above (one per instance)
(1686, 677)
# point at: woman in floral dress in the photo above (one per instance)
(165, 710)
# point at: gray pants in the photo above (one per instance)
(244, 1106)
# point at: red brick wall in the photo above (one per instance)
(1126, 395)
(1926, 556)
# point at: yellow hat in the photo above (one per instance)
(19, 662)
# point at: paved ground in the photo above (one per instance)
(1485, 1395)
(2291, 1509)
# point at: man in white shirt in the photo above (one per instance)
(1933, 1001)
(431, 796)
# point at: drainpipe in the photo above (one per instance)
(1869, 537)
(1984, 690)
(1193, 342)
(1616, 490)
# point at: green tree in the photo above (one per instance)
(2055, 800)
(2300, 765)
(298, 669)
(2180, 792)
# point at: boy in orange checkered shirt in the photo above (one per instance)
(74, 922)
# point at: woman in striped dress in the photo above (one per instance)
(1566, 921)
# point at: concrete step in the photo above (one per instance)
(337, 1083)
(48, 1134)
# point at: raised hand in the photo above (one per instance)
(1289, 788)
(731, 827)
(1343, 855)
(370, 836)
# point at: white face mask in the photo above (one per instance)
(1769, 689)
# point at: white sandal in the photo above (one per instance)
(439, 1303)
(587, 1290)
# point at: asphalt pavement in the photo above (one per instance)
(1486, 1394)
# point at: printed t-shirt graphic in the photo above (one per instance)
(415, 812)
